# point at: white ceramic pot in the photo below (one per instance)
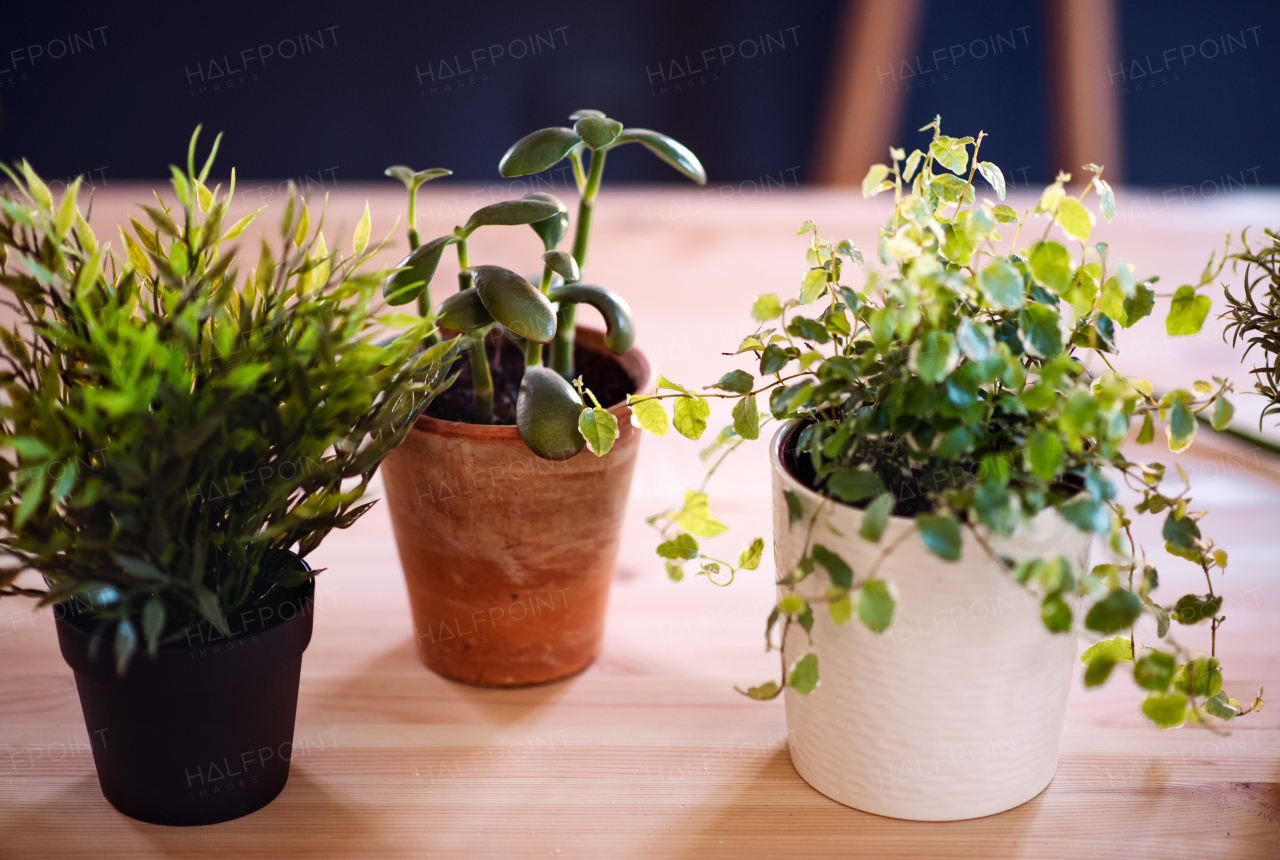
(954, 711)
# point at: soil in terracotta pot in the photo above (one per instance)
(911, 493)
(599, 371)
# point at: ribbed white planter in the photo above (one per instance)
(956, 710)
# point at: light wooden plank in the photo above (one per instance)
(650, 752)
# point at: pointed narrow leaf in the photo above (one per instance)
(360, 239)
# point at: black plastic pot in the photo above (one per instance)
(203, 733)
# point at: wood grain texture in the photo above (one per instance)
(650, 752)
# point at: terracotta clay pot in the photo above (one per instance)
(508, 557)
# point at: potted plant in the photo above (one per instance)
(1255, 318)
(951, 444)
(177, 440)
(507, 530)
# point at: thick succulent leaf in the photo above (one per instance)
(507, 212)
(550, 230)
(463, 311)
(547, 411)
(417, 269)
(538, 151)
(597, 132)
(413, 178)
(401, 172)
(579, 114)
(563, 264)
(431, 173)
(668, 149)
(515, 303)
(620, 327)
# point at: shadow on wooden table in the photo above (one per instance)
(305, 820)
(394, 686)
(769, 809)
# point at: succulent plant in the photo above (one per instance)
(489, 297)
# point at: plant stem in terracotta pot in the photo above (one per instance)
(507, 529)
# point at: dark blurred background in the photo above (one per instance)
(1189, 90)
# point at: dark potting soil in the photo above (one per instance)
(600, 372)
(910, 493)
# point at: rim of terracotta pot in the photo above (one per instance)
(633, 362)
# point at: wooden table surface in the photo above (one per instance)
(650, 752)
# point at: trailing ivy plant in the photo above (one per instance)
(171, 426)
(982, 352)
(550, 414)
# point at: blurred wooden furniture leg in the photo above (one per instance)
(860, 113)
(1084, 48)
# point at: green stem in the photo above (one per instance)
(533, 351)
(465, 281)
(562, 348)
(481, 381)
(424, 299)
(413, 218)
(481, 378)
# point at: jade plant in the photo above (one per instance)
(984, 354)
(178, 429)
(550, 414)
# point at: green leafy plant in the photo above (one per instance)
(966, 357)
(1255, 317)
(550, 413)
(170, 429)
